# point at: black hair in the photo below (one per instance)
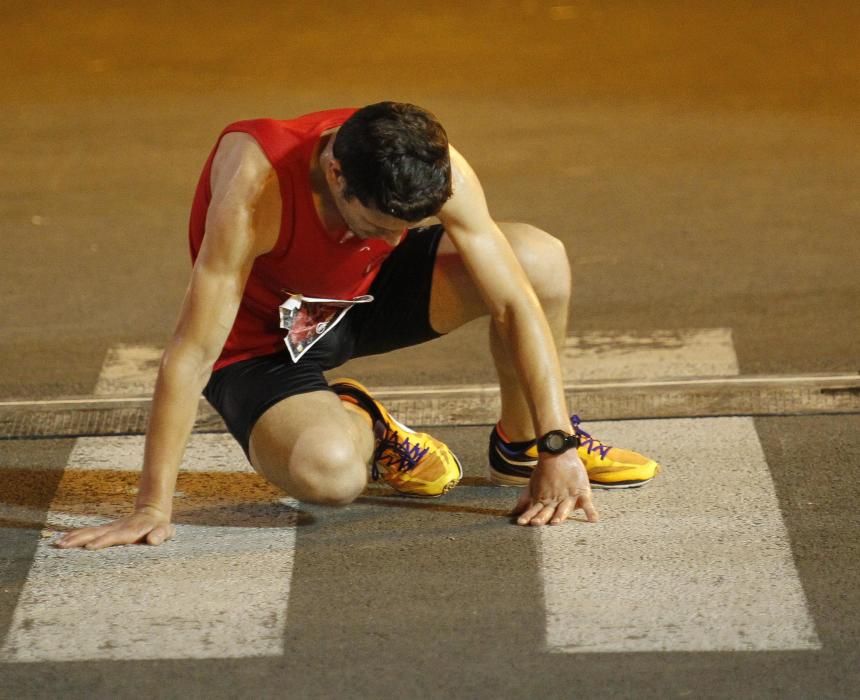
(394, 157)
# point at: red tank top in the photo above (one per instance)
(305, 259)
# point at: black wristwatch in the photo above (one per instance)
(557, 441)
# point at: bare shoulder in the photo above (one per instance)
(244, 213)
(240, 168)
(467, 207)
(461, 172)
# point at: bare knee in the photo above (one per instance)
(326, 481)
(544, 260)
(325, 473)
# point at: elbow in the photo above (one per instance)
(515, 315)
(502, 315)
(184, 363)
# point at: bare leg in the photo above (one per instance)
(454, 300)
(314, 447)
(317, 448)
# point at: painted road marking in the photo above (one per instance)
(607, 355)
(214, 592)
(131, 369)
(665, 374)
(220, 589)
(205, 452)
(702, 562)
(698, 560)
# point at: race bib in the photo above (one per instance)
(307, 319)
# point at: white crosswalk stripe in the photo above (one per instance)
(698, 560)
(702, 352)
(130, 369)
(220, 588)
(218, 591)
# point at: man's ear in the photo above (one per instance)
(334, 175)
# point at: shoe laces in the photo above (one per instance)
(587, 440)
(396, 453)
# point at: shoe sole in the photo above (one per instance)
(500, 479)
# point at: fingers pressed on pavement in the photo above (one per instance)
(530, 513)
(118, 536)
(522, 502)
(589, 509)
(562, 511)
(542, 518)
(160, 534)
(78, 538)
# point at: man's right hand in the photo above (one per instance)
(147, 525)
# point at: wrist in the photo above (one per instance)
(557, 442)
(153, 508)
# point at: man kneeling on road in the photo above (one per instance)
(296, 225)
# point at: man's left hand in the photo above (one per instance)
(558, 486)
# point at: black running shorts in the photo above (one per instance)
(397, 317)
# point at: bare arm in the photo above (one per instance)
(241, 177)
(560, 483)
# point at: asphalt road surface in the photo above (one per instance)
(700, 161)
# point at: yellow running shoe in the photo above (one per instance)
(415, 464)
(512, 463)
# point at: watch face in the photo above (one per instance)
(555, 442)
